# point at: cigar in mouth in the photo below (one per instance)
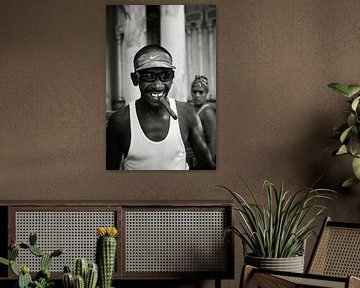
(167, 107)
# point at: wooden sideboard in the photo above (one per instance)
(164, 241)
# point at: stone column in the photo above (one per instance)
(135, 35)
(172, 38)
(108, 80)
(189, 60)
(212, 58)
(111, 18)
(210, 20)
(200, 49)
(119, 71)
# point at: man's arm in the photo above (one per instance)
(208, 119)
(197, 141)
(115, 131)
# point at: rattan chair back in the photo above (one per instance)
(334, 263)
(337, 251)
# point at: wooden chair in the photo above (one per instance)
(335, 262)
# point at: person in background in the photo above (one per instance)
(150, 133)
(205, 111)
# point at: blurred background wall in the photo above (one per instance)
(275, 113)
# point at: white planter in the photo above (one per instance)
(291, 264)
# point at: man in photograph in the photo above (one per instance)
(151, 132)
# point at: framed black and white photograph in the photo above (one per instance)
(161, 87)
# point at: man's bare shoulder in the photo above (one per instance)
(208, 113)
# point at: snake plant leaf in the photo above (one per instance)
(340, 88)
(353, 89)
(345, 134)
(342, 150)
(355, 103)
(349, 182)
(278, 228)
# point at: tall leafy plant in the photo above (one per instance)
(279, 228)
(348, 132)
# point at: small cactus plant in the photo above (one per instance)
(85, 274)
(81, 267)
(91, 276)
(106, 254)
(42, 278)
(79, 282)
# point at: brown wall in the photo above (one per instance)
(275, 112)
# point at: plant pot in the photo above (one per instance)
(291, 264)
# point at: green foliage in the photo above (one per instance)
(4, 261)
(105, 259)
(42, 278)
(79, 282)
(14, 268)
(81, 266)
(85, 274)
(13, 253)
(44, 273)
(348, 132)
(42, 283)
(32, 239)
(68, 280)
(279, 229)
(24, 279)
(91, 276)
(45, 261)
(57, 252)
(36, 251)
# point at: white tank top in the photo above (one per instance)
(145, 154)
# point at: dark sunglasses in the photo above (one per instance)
(151, 77)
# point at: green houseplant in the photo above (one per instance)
(106, 254)
(279, 229)
(348, 133)
(42, 278)
(84, 274)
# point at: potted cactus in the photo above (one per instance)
(106, 254)
(84, 275)
(42, 278)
